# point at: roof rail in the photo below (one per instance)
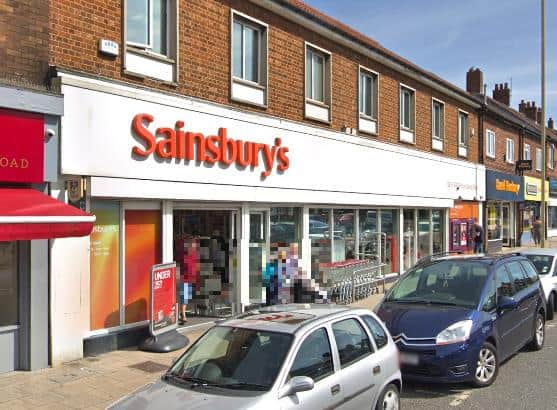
(432, 257)
(499, 256)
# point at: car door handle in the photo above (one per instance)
(377, 370)
(335, 389)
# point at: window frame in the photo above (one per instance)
(372, 334)
(366, 72)
(466, 141)
(551, 156)
(539, 159)
(436, 101)
(509, 159)
(365, 332)
(412, 117)
(148, 48)
(316, 105)
(488, 134)
(529, 150)
(299, 346)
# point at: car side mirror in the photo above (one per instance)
(297, 384)
(506, 303)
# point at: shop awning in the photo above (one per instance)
(27, 214)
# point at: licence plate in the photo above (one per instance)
(409, 358)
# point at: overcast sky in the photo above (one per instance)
(502, 37)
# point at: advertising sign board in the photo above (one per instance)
(163, 312)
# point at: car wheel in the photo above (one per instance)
(539, 333)
(487, 366)
(550, 306)
(389, 399)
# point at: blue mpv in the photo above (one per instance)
(456, 318)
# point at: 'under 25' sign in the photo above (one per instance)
(179, 144)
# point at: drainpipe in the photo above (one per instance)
(481, 147)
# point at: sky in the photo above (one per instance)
(447, 37)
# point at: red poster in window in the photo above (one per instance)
(163, 313)
(21, 146)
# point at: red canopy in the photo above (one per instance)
(27, 214)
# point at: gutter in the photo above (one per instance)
(288, 13)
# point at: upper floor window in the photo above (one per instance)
(368, 100)
(551, 156)
(437, 124)
(318, 83)
(538, 159)
(509, 154)
(407, 113)
(463, 136)
(526, 154)
(147, 23)
(249, 59)
(151, 32)
(490, 144)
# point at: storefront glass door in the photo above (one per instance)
(409, 238)
(258, 245)
(506, 224)
(9, 320)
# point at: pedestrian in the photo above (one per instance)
(478, 237)
(536, 230)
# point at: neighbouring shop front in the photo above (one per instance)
(461, 225)
(552, 208)
(28, 218)
(530, 208)
(503, 192)
(252, 209)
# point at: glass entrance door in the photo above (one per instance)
(409, 238)
(506, 224)
(9, 319)
(258, 245)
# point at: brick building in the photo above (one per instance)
(30, 213)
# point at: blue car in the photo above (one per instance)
(456, 318)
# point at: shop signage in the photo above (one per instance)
(21, 147)
(163, 314)
(175, 143)
(502, 186)
(532, 189)
(524, 165)
(553, 187)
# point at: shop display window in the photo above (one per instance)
(409, 238)
(8, 284)
(552, 217)
(494, 217)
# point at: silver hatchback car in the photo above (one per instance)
(282, 357)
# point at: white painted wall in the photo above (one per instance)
(69, 294)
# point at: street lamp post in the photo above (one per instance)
(542, 125)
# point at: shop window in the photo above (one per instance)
(551, 156)
(407, 110)
(344, 239)
(463, 137)
(9, 284)
(538, 159)
(526, 152)
(552, 217)
(249, 59)
(151, 49)
(509, 154)
(437, 124)
(409, 238)
(321, 241)
(494, 217)
(424, 233)
(318, 83)
(438, 230)
(105, 265)
(368, 100)
(490, 143)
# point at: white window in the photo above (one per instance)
(551, 156)
(407, 104)
(368, 94)
(509, 155)
(490, 144)
(249, 59)
(318, 83)
(147, 24)
(438, 120)
(538, 159)
(462, 129)
(526, 154)
(151, 32)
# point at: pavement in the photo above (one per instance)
(95, 382)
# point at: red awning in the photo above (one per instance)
(27, 214)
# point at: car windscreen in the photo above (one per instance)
(541, 262)
(233, 358)
(457, 283)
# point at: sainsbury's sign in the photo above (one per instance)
(176, 143)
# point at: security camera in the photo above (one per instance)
(49, 133)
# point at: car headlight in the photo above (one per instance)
(455, 333)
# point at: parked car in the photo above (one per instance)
(456, 318)
(282, 357)
(544, 259)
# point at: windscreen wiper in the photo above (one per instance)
(243, 385)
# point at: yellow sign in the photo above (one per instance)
(532, 189)
(506, 185)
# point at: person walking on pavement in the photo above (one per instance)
(478, 237)
(536, 230)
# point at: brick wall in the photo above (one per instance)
(204, 65)
(502, 133)
(24, 41)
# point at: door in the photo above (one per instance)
(507, 323)
(9, 315)
(258, 257)
(506, 224)
(526, 297)
(314, 359)
(356, 360)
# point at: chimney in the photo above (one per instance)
(530, 110)
(550, 123)
(502, 93)
(474, 81)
